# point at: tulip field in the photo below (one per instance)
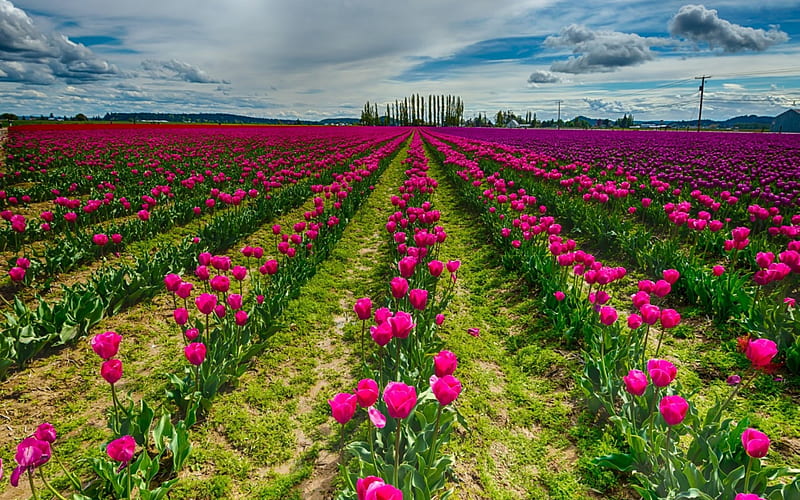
(200, 312)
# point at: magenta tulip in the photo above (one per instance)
(400, 399)
(205, 303)
(671, 275)
(191, 334)
(634, 321)
(673, 409)
(382, 333)
(16, 274)
(382, 314)
(106, 344)
(635, 382)
(100, 239)
(435, 267)
(181, 315)
(453, 265)
(184, 290)
(364, 483)
(45, 432)
(111, 371)
(343, 407)
(172, 282)
(718, 270)
(661, 288)
(195, 353)
(418, 298)
(377, 418)
(235, 301)
(748, 496)
(406, 265)
(650, 314)
(122, 449)
(240, 317)
(559, 295)
(367, 392)
(444, 363)
(760, 352)
(661, 372)
(755, 443)
(239, 272)
(401, 324)
(399, 287)
(220, 283)
(446, 389)
(31, 453)
(383, 492)
(608, 315)
(670, 318)
(363, 308)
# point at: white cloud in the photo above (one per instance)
(179, 70)
(698, 24)
(600, 51)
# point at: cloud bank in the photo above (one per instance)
(600, 51)
(178, 70)
(698, 24)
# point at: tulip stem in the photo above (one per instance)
(363, 332)
(49, 487)
(660, 337)
(115, 427)
(747, 473)
(397, 454)
(644, 346)
(128, 485)
(734, 392)
(70, 476)
(30, 480)
(434, 436)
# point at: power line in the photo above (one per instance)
(702, 88)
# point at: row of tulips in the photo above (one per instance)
(77, 245)
(225, 332)
(409, 383)
(711, 466)
(29, 328)
(752, 287)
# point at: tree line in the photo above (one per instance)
(416, 110)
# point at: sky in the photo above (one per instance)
(314, 59)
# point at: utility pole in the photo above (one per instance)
(558, 122)
(702, 88)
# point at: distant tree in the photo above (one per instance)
(9, 116)
(80, 117)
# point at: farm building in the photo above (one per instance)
(788, 121)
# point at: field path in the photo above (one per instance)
(273, 436)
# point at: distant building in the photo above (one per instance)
(512, 123)
(788, 121)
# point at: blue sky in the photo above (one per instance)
(314, 59)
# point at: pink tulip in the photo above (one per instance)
(640, 298)
(671, 276)
(363, 309)
(202, 273)
(399, 287)
(181, 315)
(661, 288)
(240, 317)
(559, 295)
(172, 282)
(16, 274)
(401, 324)
(418, 298)
(364, 483)
(650, 314)
(446, 389)
(760, 352)
(382, 314)
(406, 266)
(748, 496)
(367, 392)
(111, 371)
(755, 443)
(670, 318)
(23, 263)
(106, 344)
(383, 492)
(195, 353)
(205, 303)
(635, 382)
(220, 310)
(634, 321)
(377, 418)
(235, 301)
(673, 409)
(343, 407)
(269, 267)
(400, 399)
(220, 283)
(100, 239)
(435, 267)
(453, 265)
(192, 334)
(475, 332)
(122, 449)
(382, 333)
(45, 432)
(438, 319)
(444, 363)
(31, 453)
(608, 315)
(239, 272)
(661, 371)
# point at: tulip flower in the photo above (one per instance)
(438, 319)
(661, 288)
(363, 484)
(46, 432)
(220, 283)
(16, 274)
(435, 267)
(634, 321)
(401, 324)
(100, 239)
(195, 353)
(748, 496)
(181, 315)
(31, 453)
(635, 382)
(343, 407)
(406, 265)
(400, 399)
(240, 317)
(106, 344)
(446, 389)
(671, 275)
(235, 301)
(122, 449)
(608, 315)
(111, 371)
(377, 418)
(363, 308)
(399, 287)
(382, 333)
(760, 352)
(670, 318)
(184, 290)
(367, 392)
(418, 298)
(673, 409)
(205, 303)
(755, 443)
(444, 363)
(559, 295)
(661, 372)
